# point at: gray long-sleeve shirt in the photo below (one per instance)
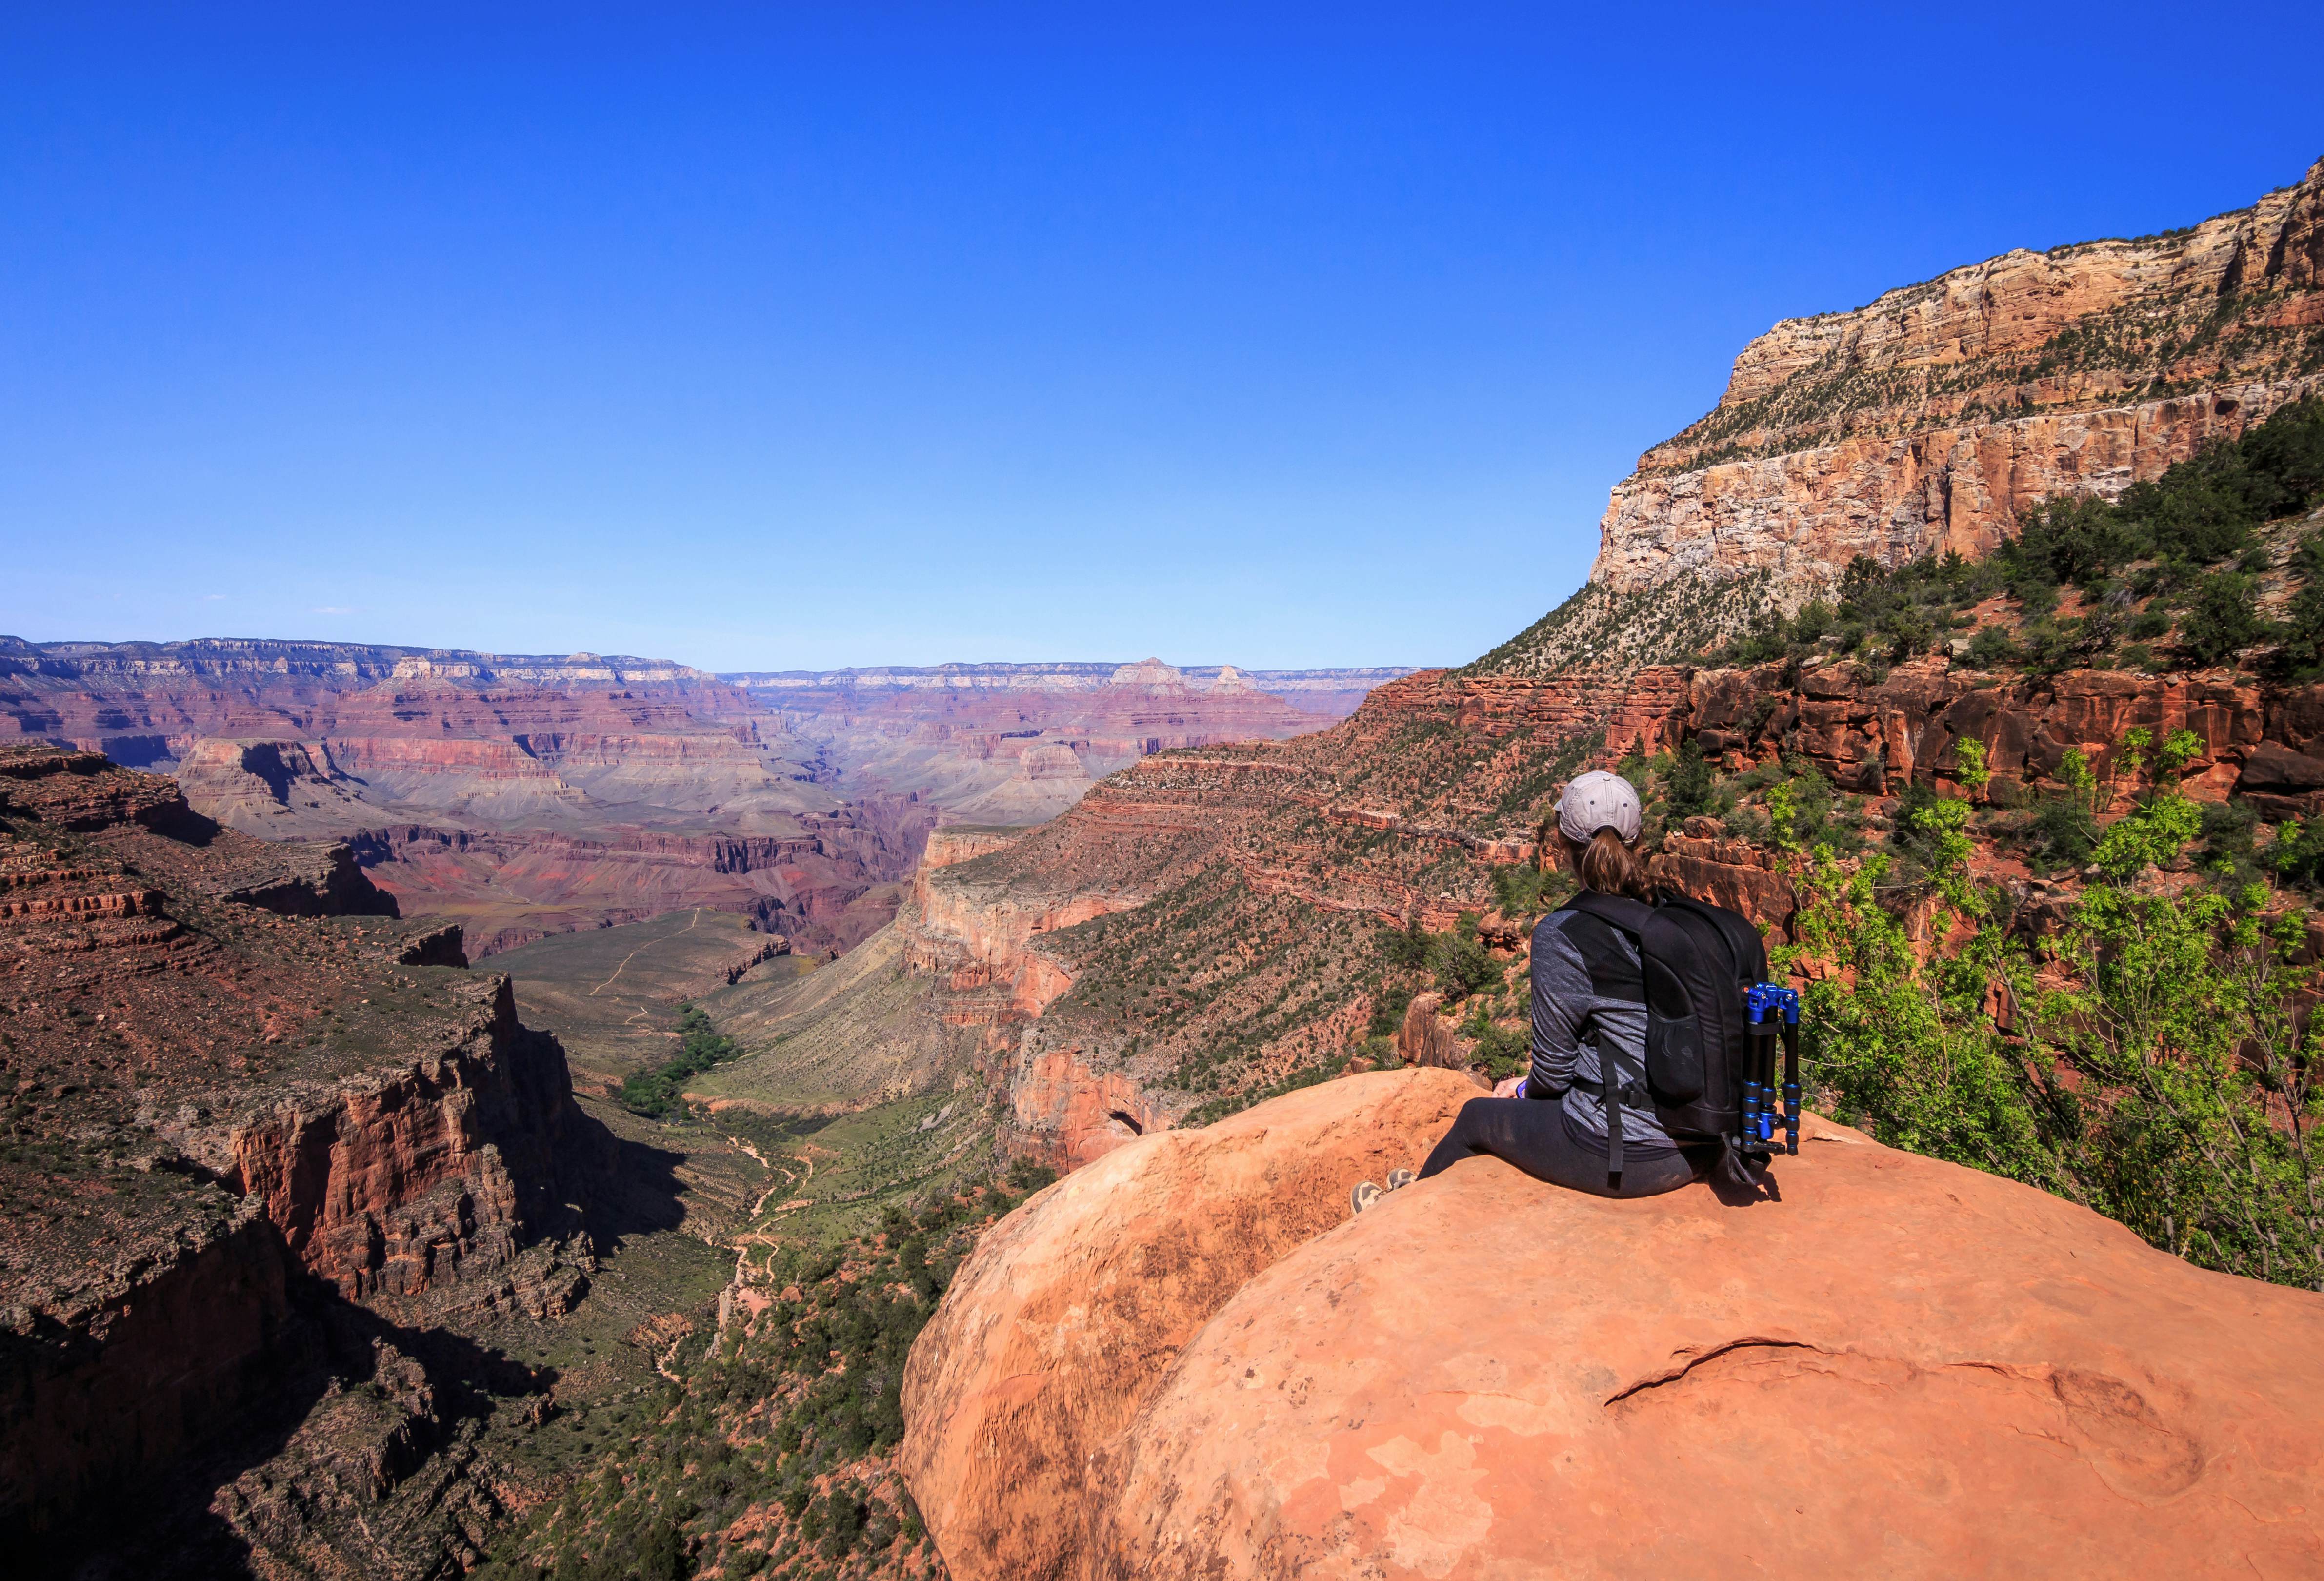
(1564, 1064)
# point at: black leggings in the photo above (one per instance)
(1534, 1134)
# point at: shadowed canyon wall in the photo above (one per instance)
(236, 1078)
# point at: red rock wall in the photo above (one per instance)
(1876, 738)
(176, 1355)
(1924, 423)
(1070, 1113)
(398, 1183)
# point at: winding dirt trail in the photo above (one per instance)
(690, 924)
(748, 1236)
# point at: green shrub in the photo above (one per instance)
(1407, 947)
(2222, 618)
(1028, 1177)
(2149, 836)
(2297, 854)
(1812, 621)
(1463, 966)
(2065, 830)
(1501, 1051)
(1992, 647)
(1388, 1005)
(2302, 631)
(2166, 1081)
(1521, 889)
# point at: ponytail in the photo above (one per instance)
(1609, 866)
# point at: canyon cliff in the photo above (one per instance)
(1184, 991)
(252, 1117)
(1202, 925)
(1924, 423)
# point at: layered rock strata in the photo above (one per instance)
(1102, 960)
(302, 738)
(829, 882)
(1924, 423)
(235, 1077)
(1188, 1360)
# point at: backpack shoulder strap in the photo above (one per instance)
(1612, 955)
(1614, 910)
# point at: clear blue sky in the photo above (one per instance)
(783, 336)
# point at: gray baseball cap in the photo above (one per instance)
(1599, 801)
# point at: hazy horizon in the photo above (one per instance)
(1298, 339)
(1185, 664)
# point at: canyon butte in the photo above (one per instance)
(1915, 647)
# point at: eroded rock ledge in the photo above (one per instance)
(1185, 1360)
(240, 1097)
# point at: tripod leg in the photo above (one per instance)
(1791, 1086)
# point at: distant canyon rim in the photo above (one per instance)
(523, 796)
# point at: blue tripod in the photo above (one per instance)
(1774, 1012)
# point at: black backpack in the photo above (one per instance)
(1700, 962)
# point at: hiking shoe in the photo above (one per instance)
(1397, 1180)
(1363, 1196)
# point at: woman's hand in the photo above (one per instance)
(1506, 1087)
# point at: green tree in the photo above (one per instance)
(2162, 1073)
(2222, 619)
(1687, 793)
(1464, 966)
(2079, 779)
(1905, 1048)
(1968, 764)
(2148, 835)
(2197, 1096)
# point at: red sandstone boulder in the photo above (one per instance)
(1060, 1327)
(1733, 873)
(1898, 1367)
(2279, 771)
(1426, 1038)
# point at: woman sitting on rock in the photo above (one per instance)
(1588, 991)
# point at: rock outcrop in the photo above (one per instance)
(1924, 423)
(1186, 1360)
(271, 788)
(236, 1079)
(1049, 778)
(1061, 1326)
(1799, 518)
